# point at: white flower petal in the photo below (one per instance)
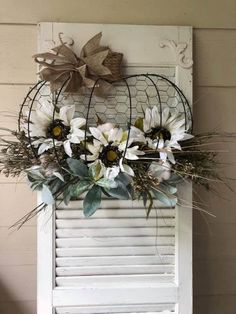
(125, 168)
(161, 143)
(147, 120)
(73, 138)
(165, 115)
(132, 153)
(122, 146)
(112, 172)
(163, 155)
(106, 127)
(44, 147)
(171, 157)
(67, 148)
(67, 113)
(155, 119)
(137, 135)
(187, 136)
(44, 113)
(93, 149)
(77, 123)
(115, 135)
(97, 134)
(89, 157)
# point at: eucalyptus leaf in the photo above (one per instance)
(125, 178)
(119, 192)
(77, 167)
(107, 183)
(67, 195)
(47, 196)
(170, 189)
(36, 186)
(92, 200)
(35, 174)
(59, 176)
(131, 191)
(32, 177)
(144, 196)
(95, 171)
(175, 179)
(105, 192)
(165, 199)
(55, 185)
(81, 187)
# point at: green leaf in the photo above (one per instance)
(81, 187)
(124, 178)
(175, 179)
(165, 199)
(95, 171)
(119, 192)
(67, 195)
(35, 174)
(107, 183)
(149, 203)
(92, 201)
(55, 185)
(47, 196)
(169, 189)
(144, 196)
(36, 186)
(58, 175)
(78, 167)
(105, 192)
(30, 179)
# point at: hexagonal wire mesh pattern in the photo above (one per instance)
(115, 108)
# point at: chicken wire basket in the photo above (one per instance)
(126, 100)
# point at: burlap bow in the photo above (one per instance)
(63, 66)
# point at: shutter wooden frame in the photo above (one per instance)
(166, 46)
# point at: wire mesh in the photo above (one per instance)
(127, 99)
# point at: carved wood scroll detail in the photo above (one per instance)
(179, 51)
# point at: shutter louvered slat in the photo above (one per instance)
(111, 280)
(114, 270)
(115, 251)
(109, 232)
(114, 223)
(118, 241)
(114, 260)
(73, 212)
(113, 204)
(135, 309)
(124, 249)
(66, 311)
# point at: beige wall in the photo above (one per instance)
(214, 107)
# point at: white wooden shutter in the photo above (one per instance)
(117, 261)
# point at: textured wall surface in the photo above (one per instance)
(214, 25)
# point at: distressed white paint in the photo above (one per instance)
(99, 265)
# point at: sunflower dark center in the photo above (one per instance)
(159, 132)
(110, 156)
(58, 130)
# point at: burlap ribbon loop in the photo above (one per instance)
(95, 61)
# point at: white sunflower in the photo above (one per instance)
(109, 149)
(64, 129)
(164, 131)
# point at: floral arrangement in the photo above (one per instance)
(66, 159)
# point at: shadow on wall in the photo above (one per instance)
(14, 307)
